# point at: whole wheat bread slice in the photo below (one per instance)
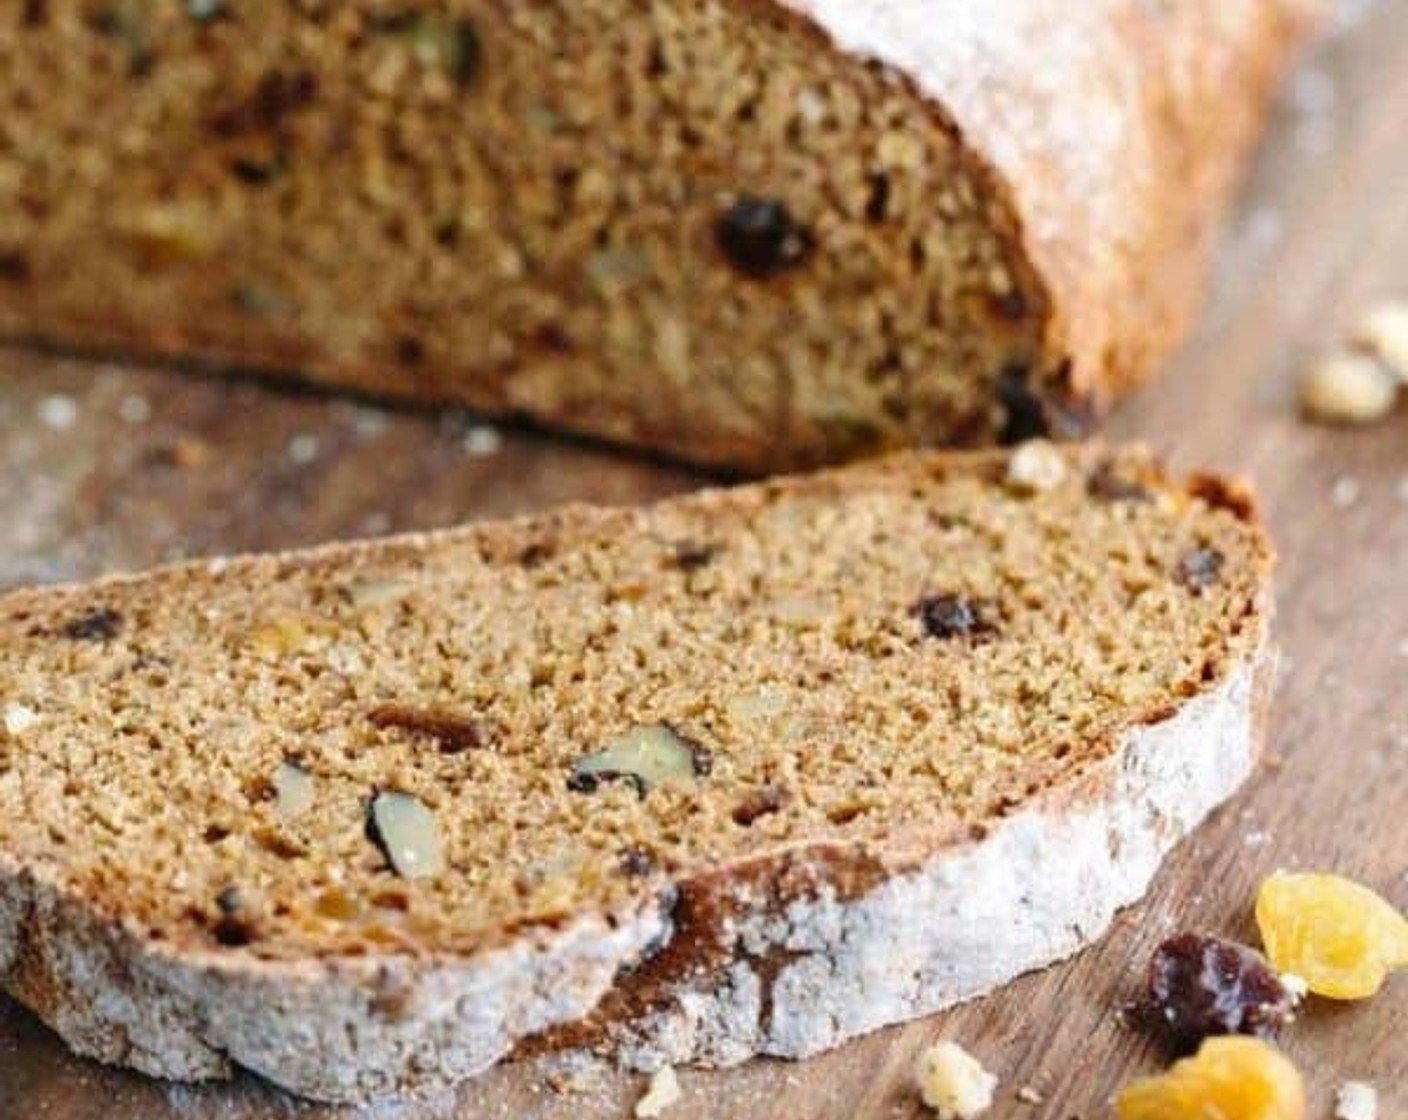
(751, 771)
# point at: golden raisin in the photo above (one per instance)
(1232, 1077)
(1342, 939)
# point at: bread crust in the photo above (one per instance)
(786, 957)
(1119, 130)
(809, 971)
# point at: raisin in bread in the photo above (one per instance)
(751, 771)
(749, 233)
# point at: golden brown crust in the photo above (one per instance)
(1119, 129)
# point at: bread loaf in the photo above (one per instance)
(754, 233)
(750, 771)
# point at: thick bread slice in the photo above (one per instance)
(751, 771)
(759, 233)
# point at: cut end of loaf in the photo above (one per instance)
(692, 226)
(805, 688)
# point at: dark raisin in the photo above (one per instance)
(1200, 569)
(452, 731)
(951, 616)
(1106, 484)
(1024, 415)
(462, 55)
(410, 351)
(759, 803)
(877, 206)
(582, 782)
(36, 12)
(1199, 986)
(760, 237)
(259, 171)
(14, 265)
(446, 232)
(579, 781)
(100, 625)
(637, 861)
(690, 556)
(1011, 306)
(277, 95)
(233, 931)
(535, 555)
(234, 927)
(553, 338)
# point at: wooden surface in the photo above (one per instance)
(156, 466)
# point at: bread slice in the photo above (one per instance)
(758, 233)
(750, 771)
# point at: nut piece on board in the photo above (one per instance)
(664, 1091)
(1383, 332)
(954, 1083)
(1347, 388)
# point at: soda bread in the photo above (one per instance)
(756, 233)
(750, 771)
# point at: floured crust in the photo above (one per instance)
(812, 970)
(336, 1029)
(1119, 129)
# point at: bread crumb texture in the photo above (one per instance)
(1356, 1100)
(954, 1083)
(432, 744)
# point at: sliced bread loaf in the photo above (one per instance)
(753, 770)
(750, 232)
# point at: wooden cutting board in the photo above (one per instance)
(105, 468)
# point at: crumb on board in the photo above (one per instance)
(1029, 1095)
(1295, 986)
(1383, 332)
(1356, 1100)
(1349, 388)
(134, 409)
(482, 441)
(1344, 491)
(954, 1083)
(368, 423)
(663, 1091)
(303, 449)
(58, 412)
